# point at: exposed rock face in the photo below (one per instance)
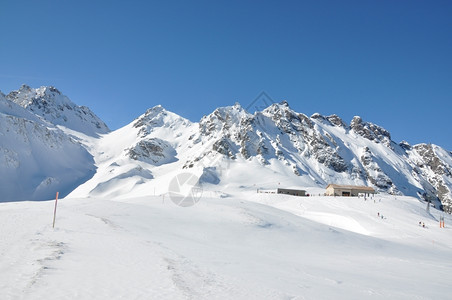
(432, 163)
(375, 175)
(336, 121)
(154, 151)
(154, 128)
(153, 118)
(370, 131)
(330, 120)
(234, 132)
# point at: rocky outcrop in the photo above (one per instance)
(370, 131)
(432, 163)
(374, 175)
(154, 151)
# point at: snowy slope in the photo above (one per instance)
(137, 155)
(275, 147)
(37, 159)
(272, 247)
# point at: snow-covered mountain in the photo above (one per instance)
(37, 158)
(51, 105)
(233, 149)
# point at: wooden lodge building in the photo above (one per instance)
(348, 190)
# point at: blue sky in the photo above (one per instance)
(388, 61)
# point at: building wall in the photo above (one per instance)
(291, 192)
(331, 191)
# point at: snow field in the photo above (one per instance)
(247, 246)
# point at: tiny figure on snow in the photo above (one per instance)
(423, 225)
(378, 214)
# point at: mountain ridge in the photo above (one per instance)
(50, 104)
(228, 147)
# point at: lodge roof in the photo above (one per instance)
(352, 187)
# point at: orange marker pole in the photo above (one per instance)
(54, 211)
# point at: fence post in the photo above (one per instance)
(54, 211)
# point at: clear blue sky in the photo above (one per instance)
(388, 61)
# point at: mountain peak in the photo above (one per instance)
(356, 120)
(405, 145)
(284, 103)
(24, 87)
(44, 95)
(155, 110)
(370, 131)
(158, 116)
(48, 90)
(50, 104)
(336, 120)
(278, 108)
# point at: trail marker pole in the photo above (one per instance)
(54, 211)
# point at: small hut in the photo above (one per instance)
(292, 192)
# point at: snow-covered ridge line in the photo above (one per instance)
(50, 104)
(230, 146)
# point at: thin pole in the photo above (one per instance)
(54, 211)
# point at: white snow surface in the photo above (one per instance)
(245, 246)
(37, 158)
(119, 236)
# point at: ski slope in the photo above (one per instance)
(242, 245)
